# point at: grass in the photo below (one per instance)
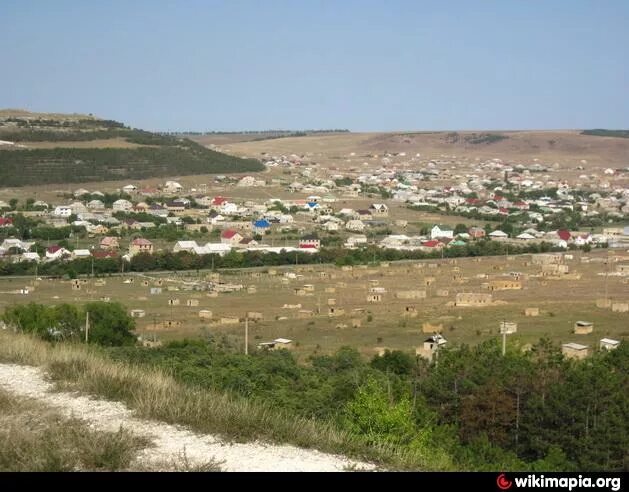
(35, 438)
(154, 394)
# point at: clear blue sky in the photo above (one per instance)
(293, 64)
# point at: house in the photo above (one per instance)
(355, 240)
(608, 344)
(122, 205)
(330, 226)
(438, 232)
(130, 188)
(62, 211)
(172, 187)
(6, 221)
(219, 201)
(81, 253)
(575, 350)
(188, 246)
(261, 226)
(140, 245)
(498, 235)
(433, 243)
(175, 207)
(310, 241)
(30, 256)
(379, 209)
(109, 243)
(355, 225)
(476, 232)
(95, 204)
(57, 253)
(525, 236)
(232, 237)
(564, 235)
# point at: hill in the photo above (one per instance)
(567, 147)
(40, 148)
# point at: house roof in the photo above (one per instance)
(229, 233)
(141, 242)
(262, 223)
(431, 244)
(564, 234)
(575, 346)
(104, 254)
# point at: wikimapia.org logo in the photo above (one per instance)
(580, 482)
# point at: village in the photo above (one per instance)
(575, 291)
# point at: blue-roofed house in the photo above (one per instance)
(261, 226)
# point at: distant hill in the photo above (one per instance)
(42, 148)
(569, 148)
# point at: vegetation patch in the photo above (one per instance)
(599, 132)
(37, 439)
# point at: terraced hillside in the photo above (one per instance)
(43, 149)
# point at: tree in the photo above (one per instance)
(110, 324)
(460, 228)
(13, 203)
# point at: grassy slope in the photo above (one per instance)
(35, 438)
(56, 151)
(154, 394)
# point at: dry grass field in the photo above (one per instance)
(561, 302)
(566, 147)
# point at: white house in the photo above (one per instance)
(62, 211)
(172, 187)
(122, 205)
(498, 235)
(355, 225)
(95, 204)
(437, 232)
(185, 246)
(130, 188)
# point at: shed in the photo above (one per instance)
(583, 327)
(575, 350)
(137, 313)
(608, 344)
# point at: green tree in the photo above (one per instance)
(110, 324)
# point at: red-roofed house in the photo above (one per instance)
(521, 205)
(140, 245)
(218, 201)
(433, 243)
(109, 243)
(6, 221)
(230, 236)
(564, 234)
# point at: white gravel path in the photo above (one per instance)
(170, 441)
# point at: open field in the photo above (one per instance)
(566, 147)
(561, 302)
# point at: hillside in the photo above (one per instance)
(566, 147)
(44, 148)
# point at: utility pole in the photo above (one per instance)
(247, 334)
(504, 342)
(87, 326)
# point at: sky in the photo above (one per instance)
(363, 65)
